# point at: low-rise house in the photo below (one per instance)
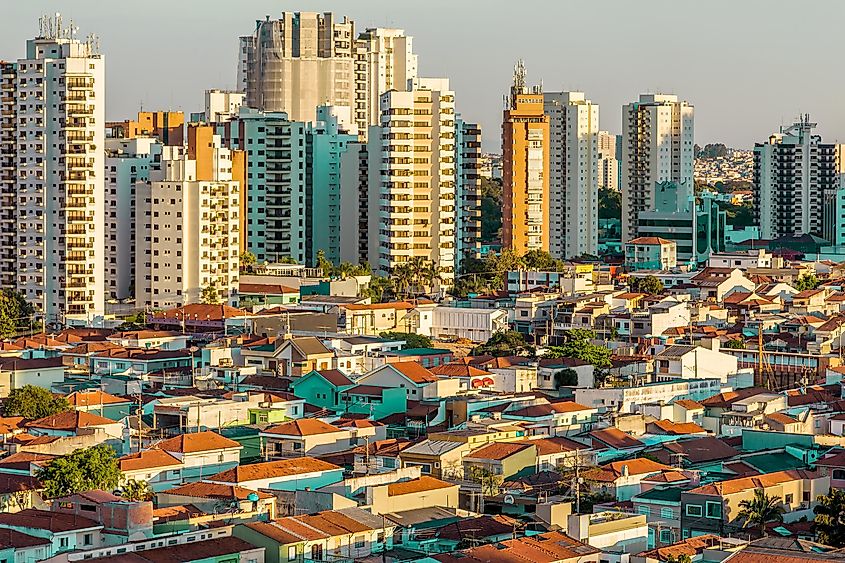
(549, 367)
(715, 507)
(322, 388)
(17, 546)
(549, 547)
(613, 439)
(423, 492)
(717, 283)
(477, 325)
(437, 458)
(419, 381)
(349, 534)
(730, 412)
(159, 469)
(216, 550)
(19, 492)
(374, 318)
(138, 362)
(307, 436)
(651, 253)
(217, 498)
(65, 532)
(559, 452)
(202, 453)
(123, 520)
(375, 401)
(293, 474)
(98, 402)
(18, 372)
(693, 362)
(614, 533)
(76, 423)
(628, 399)
(508, 460)
(695, 453)
(622, 479)
(290, 357)
(161, 339)
(670, 428)
(662, 508)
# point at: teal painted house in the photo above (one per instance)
(322, 388)
(377, 402)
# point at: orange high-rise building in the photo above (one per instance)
(525, 168)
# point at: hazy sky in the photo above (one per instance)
(746, 65)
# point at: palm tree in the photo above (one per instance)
(760, 510)
(344, 270)
(829, 523)
(402, 277)
(430, 275)
(416, 265)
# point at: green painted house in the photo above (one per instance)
(322, 388)
(377, 402)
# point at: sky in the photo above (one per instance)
(748, 66)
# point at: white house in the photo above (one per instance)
(693, 362)
(477, 325)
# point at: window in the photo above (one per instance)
(644, 510)
(788, 498)
(666, 513)
(665, 536)
(714, 509)
(292, 553)
(359, 542)
(87, 539)
(62, 543)
(694, 510)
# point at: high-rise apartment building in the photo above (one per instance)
(794, 173)
(657, 146)
(573, 173)
(167, 126)
(608, 163)
(412, 161)
(467, 191)
(525, 168)
(128, 163)
(389, 63)
(303, 60)
(326, 143)
(274, 209)
(59, 162)
(8, 175)
(188, 232)
(222, 105)
(300, 61)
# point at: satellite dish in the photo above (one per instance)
(508, 499)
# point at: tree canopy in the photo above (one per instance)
(806, 282)
(83, 470)
(491, 209)
(829, 524)
(15, 312)
(648, 284)
(567, 377)
(610, 204)
(210, 295)
(578, 344)
(760, 510)
(411, 340)
(507, 343)
(32, 402)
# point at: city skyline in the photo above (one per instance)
(714, 72)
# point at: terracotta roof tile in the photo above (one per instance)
(202, 489)
(499, 450)
(272, 469)
(302, 427)
(424, 483)
(415, 372)
(147, 459)
(69, 420)
(197, 442)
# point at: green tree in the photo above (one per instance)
(32, 402)
(566, 378)
(735, 344)
(378, 288)
(648, 284)
(507, 343)
(15, 312)
(806, 282)
(83, 470)
(489, 481)
(491, 209)
(829, 524)
(324, 264)
(539, 260)
(287, 260)
(411, 340)
(210, 295)
(578, 344)
(136, 490)
(682, 558)
(500, 264)
(610, 204)
(760, 510)
(248, 260)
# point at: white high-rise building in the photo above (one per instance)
(60, 94)
(303, 60)
(390, 63)
(128, 163)
(414, 159)
(222, 105)
(608, 164)
(188, 228)
(657, 146)
(573, 170)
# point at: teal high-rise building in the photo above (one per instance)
(326, 143)
(275, 198)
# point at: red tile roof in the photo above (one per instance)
(197, 442)
(424, 483)
(273, 469)
(499, 450)
(147, 459)
(69, 420)
(201, 489)
(302, 427)
(415, 372)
